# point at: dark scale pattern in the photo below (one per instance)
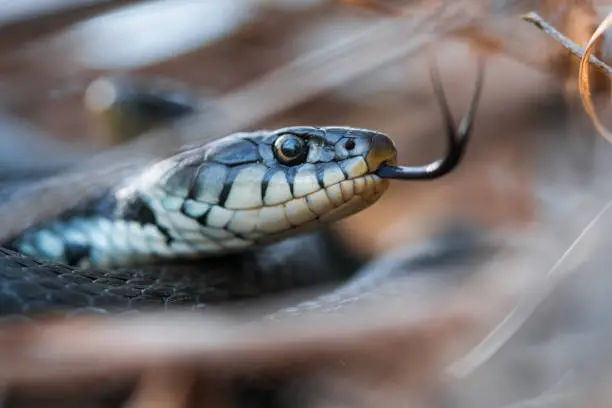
(33, 288)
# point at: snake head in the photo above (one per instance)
(260, 187)
(225, 196)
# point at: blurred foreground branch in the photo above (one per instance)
(32, 23)
(372, 48)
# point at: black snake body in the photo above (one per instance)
(31, 287)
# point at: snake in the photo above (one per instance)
(231, 218)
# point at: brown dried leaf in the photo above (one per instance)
(584, 81)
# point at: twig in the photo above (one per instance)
(587, 60)
(571, 46)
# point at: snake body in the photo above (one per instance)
(129, 245)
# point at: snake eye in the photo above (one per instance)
(290, 149)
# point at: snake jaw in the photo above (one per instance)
(367, 190)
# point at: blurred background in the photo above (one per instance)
(266, 64)
(256, 64)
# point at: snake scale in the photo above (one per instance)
(207, 224)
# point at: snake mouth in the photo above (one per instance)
(325, 206)
(226, 230)
(350, 196)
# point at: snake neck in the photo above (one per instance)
(85, 234)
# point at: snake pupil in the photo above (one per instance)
(290, 149)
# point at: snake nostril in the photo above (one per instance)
(349, 145)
